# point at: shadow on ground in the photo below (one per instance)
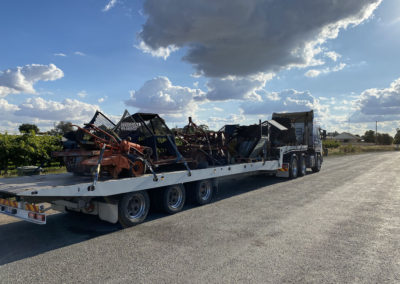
(21, 239)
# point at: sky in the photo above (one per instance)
(221, 61)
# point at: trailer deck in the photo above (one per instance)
(69, 185)
(107, 197)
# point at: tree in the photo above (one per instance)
(397, 137)
(61, 128)
(369, 136)
(204, 127)
(384, 139)
(27, 128)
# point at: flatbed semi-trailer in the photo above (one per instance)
(127, 200)
(290, 144)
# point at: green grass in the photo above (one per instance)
(349, 149)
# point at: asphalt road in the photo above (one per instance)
(337, 226)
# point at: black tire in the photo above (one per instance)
(133, 208)
(318, 163)
(174, 197)
(293, 167)
(203, 191)
(302, 166)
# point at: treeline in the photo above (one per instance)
(381, 138)
(28, 149)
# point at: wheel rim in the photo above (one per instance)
(137, 168)
(205, 191)
(175, 197)
(303, 166)
(136, 206)
(294, 167)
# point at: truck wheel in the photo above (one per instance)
(317, 166)
(293, 167)
(302, 166)
(174, 198)
(133, 208)
(203, 191)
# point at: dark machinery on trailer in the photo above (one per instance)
(202, 147)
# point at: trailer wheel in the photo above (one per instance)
(203, 191)
(174, 198)
(302, 166)
(293, 167)
(317, 166)
(133, 208)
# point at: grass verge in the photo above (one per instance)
(350, 149)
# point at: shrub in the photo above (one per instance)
(27, 149)
(330, 144)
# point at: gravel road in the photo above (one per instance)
(338, 226)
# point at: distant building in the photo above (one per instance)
(346, 137)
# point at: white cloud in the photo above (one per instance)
(43, 113)
(233, 87)
(316, 72)
(163, 52)
(82, 94)
(60, 54)
(6, 107)
(285, 101)
(22, 79)
(218, 109)
(247, 37)
(109, 5)
(101, 100)
(67, 110)
(160, 96)
(79, 53)
(313, 73)
(332, 55)
(378, 104)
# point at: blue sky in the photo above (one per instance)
(220, 63)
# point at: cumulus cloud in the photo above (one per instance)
(332, 55)
(109, 5)
(163, 52)
(43, 113)
(160, 96)
(247, 37)
(378, 104)
(6, 107)
(285, 101)
(215, 122)
(316, 72)
(233, 87)
(60, 54)
(67, 110)
(22, 79)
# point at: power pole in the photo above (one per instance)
(376, 132)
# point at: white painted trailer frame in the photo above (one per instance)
(61, 187)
